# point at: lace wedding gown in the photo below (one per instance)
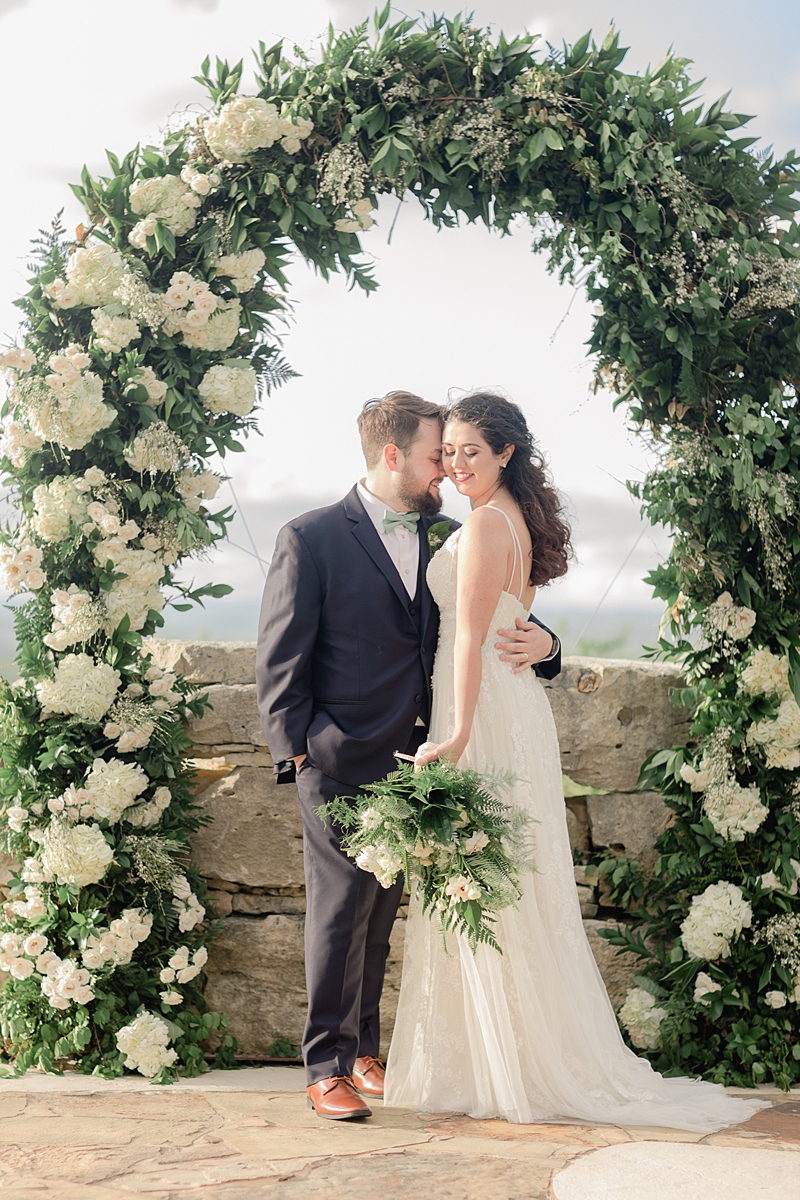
(528, 1035)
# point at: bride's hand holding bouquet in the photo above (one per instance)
(460, 847)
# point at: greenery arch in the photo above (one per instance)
(145, 343)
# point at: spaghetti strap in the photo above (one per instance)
(517, 552)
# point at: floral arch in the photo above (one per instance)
(146, 343)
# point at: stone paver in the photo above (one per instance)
(247, 1135)
(675, 1171)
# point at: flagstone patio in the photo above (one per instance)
(249, 1134)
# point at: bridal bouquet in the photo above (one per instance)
(461, 847)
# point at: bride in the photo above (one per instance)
(528, 1035)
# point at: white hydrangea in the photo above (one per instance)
(80, 686)
(21, 566)
(190, 910)
(242, 268)
(93, 275)
(156, 448)
(229, 389)
(247, 124)
(166, 198)
(69, 408)
(193, 487)
(18, 443)
(138, 592)
(766, 674)
(145, 1044)
(113, 786)
(77, 617)
(146, 377)
(642, 1018)
(705, 986)
(58, 505)
(715, 918)
(79, 855)
(779, 736)
(220, 331)
(64, 982)
(113, 333)
(116, 944)
(734, 811)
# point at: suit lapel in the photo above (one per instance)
(367, 535)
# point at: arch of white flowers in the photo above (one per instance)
(147, 342)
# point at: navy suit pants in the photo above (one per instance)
(349, 919)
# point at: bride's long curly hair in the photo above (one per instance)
(502, 424)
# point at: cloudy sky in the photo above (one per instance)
(455, 310)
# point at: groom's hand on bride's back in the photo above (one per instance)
(526, 645)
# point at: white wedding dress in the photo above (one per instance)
(529, 1035)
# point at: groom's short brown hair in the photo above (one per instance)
(394, 421)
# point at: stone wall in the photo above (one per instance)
(610, 715)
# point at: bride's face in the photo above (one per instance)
(470, 462)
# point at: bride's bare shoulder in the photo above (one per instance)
(485, 521)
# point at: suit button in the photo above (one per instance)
(412, 610)
(418, 699)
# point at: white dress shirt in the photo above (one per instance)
(401, 544)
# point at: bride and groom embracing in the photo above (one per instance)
(371, 643)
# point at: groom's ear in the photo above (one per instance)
(393, 457)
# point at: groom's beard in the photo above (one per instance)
(426, 503)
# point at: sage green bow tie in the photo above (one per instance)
(392, 520)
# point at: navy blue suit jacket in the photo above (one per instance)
(345, 657)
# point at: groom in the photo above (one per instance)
(346, 644)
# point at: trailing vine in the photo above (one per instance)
(146, 344)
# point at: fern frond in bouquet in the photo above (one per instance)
(461, 847)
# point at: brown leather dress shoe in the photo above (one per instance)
(337, 1099)
(368, 1075)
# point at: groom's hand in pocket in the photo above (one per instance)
(525, 645)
